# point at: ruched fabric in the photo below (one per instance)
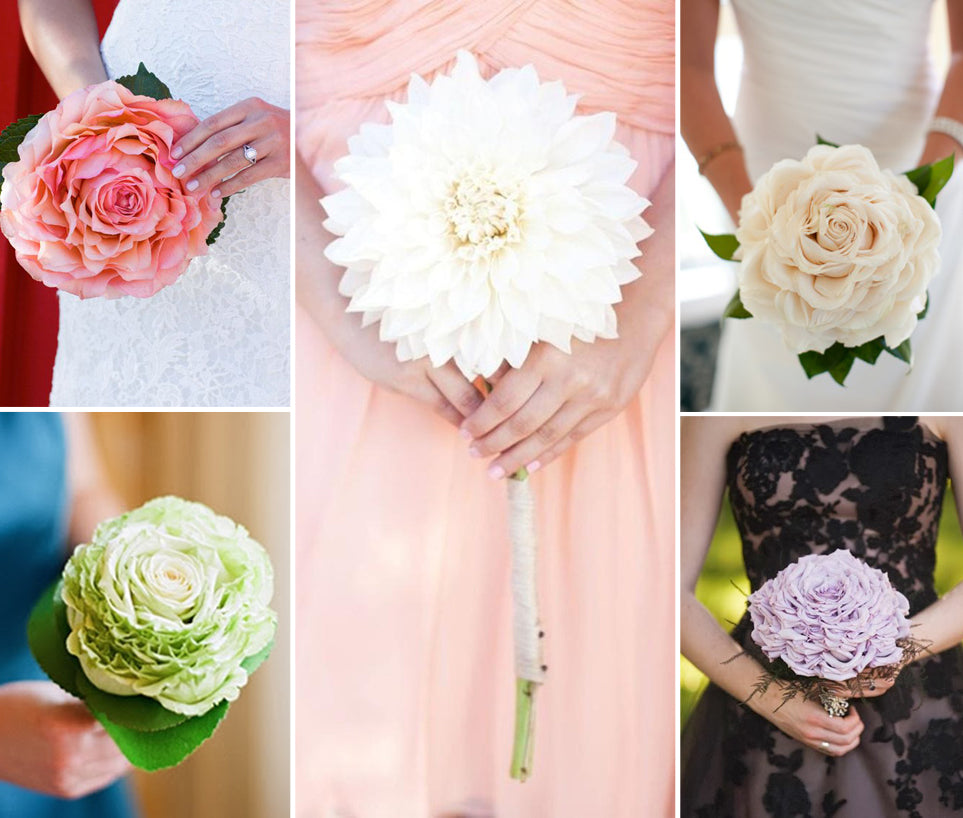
(405, 687)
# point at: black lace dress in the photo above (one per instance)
(874, 486)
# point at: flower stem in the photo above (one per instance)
(524, 743)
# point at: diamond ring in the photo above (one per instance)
(250, 153)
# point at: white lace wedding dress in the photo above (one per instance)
(850, 72)
(219, 336)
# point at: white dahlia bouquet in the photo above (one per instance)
(156, 624)
(837, 253)
(485, 218)
(831, 621)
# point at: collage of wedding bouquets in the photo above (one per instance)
(461, 409)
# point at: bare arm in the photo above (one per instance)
(941, 624)
(93, 499)
(705, 442)
(63, 38)
(939, 145)
(705, 125)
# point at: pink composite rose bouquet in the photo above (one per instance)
(829, 618)
(88, 200)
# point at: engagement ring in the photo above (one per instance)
(824, 745)
(250, 153)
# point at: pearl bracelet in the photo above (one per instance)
(950, 127)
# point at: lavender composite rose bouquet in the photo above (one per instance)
(828, 618)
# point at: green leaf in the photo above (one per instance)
(904, 352)
(47, 632)
(139, 713)
(931, 179)
(145, 84)
(821, 141)
(252, 663)
(871, 350)
(723, 245)
(212, 236)
(837, 361)
(840, 370)
(164, 748)
(735, 308)
(13, 135)
(813, 363)
(10, 139)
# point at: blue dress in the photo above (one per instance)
(33, 531)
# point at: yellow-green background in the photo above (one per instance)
(723, 583)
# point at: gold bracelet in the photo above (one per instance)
(718, 150)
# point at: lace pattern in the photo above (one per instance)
(220, 336)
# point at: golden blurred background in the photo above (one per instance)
(238, 464)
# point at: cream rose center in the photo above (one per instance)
(483, 214)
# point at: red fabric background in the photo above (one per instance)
(28, 310)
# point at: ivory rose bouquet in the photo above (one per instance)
(88, 200)
(829, 618)
(157, 624)
(486, 218)
(838, 254)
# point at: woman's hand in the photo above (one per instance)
(49, 742)
(212, 154)
(534, 413)
(443, 389)
(806, 721)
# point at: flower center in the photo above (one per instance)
(483, 215)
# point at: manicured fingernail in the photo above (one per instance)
(216, 193)
(534, 466)
(465, 434)
(177, 153)
(473, 451)
(192, 185)
(496, 472)
(178, 171)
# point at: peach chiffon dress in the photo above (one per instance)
(405, 687)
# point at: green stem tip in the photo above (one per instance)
(524, 744)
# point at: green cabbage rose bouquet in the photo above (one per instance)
(157, 624)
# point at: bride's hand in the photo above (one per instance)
(807, 722)
(554, 399)
(212, 154)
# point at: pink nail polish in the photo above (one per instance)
(465, 434)
(473, 451)
(177, 153)
(496, 472)
(178, 171)
(216, 193)
(192, 185)
(532, 467)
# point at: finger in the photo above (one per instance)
(206, 154)
(235, 163)
(534, 462)
(204, 130)
(844, 726)
(456, 388)
(530, 419)
(275, 165)
(835, 749)
(508, 396)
